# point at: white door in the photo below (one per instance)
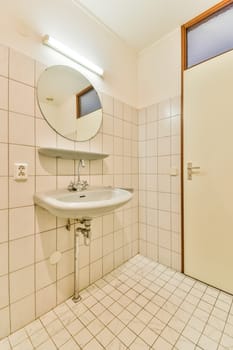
(208, 197)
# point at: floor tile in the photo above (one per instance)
(141, 305)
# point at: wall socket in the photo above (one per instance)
(20, 171)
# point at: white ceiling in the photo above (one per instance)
(142, 22)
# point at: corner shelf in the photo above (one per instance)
(70, 154)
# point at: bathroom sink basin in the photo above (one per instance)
(92, 202)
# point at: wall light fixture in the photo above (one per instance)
(67, 52)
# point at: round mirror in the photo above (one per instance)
(69, 103)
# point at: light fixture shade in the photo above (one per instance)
(66, 51)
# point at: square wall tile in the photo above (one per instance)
(84, 279)
(84, 256)
(21, 68)
(22, 312)
(175, 203)
(45, 299)
(21, 222)
(164, 146)
(96, 250)
(21, 193)
(107, 124)
(164, 256)
(127, 130)
(21, 98)
(4, 93)
(45, 165)
(96, 227)
(164, 220)
(4, 192)
(165, 239)
(65, 288)
(65, 239)
(3, 159)
(96, 270)
(118, 257)
(118, 239)
(18, 258)
(176, 222)
(108, 144)
(118, 127)
(164, 165)
(176, 242)
(4, 126)
(151, 165)
(45, 135)
(165, 201)
(21, 283)
(4, 322)
(96, 144)
(18, 124)
(96, 167)
(151, 182)
(152, 217)
(4, 55)
(176, 261)
(45, 274)
(4, 292)
(44, 220)
(4, 225)
(175, 125)
(108, 263)
(3, 259)
(65, 167)
(152, 200)
(47, 183)
(45, 244)
(151, 148)
(128, 113)
(164, 183)
(118, 146)
(66, 264)
(164, 127)
(151, 130)
(176, 145)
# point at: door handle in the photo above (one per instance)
(191, 170)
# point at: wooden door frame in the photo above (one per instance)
(184, 29)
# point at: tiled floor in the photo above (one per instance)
(141, 305)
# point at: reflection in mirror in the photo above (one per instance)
(69, 103)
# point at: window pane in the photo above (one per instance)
(210, 37)
(89, 102)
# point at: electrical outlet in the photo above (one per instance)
(20, 171)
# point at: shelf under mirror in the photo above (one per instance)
(70, 154)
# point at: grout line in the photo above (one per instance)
(8, 200)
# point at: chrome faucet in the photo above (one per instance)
(79, 185)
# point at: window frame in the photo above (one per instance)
(78, 97)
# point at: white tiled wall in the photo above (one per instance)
(159, 192)
(29, 284)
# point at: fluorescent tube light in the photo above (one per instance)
(66, 51)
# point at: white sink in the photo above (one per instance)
(92, 202)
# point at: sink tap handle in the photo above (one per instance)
(85, 184)
(71, 186)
